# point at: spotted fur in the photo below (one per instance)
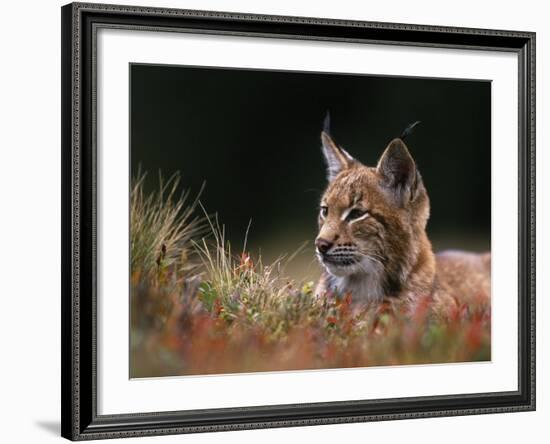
(372, 240)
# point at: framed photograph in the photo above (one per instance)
(281, 221)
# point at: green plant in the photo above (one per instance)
(162, 226)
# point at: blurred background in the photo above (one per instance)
(253, 137)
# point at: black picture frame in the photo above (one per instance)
(79, 395)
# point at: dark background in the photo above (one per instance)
(254, 137)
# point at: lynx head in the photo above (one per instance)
(372, 219)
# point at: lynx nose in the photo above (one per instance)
(322, 245)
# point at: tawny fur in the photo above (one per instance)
(381, 251)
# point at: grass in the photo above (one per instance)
(162, 227)
(200, 308)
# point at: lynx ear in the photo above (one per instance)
(398, 171)
(337, 158)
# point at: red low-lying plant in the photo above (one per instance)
(256, 326)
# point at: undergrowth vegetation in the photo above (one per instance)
(197, 307)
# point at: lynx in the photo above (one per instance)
(372, 240)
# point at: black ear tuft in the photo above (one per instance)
(326, 124)
(408, 131)
(337, 159)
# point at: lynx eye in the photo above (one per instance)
(324, 211)
(356, 214)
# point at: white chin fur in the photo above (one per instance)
(363, 280)
(365, 267)
(343, 270)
